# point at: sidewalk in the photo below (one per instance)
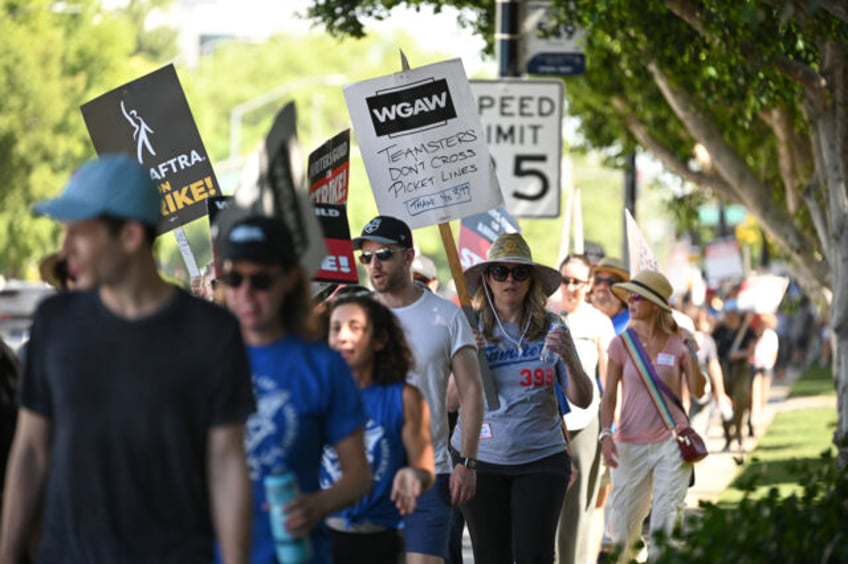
(715, 473)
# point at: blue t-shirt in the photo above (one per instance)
(385, 452)
(306, 398)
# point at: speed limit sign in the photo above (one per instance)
(522, 121)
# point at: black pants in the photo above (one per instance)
(514, 517)
(384, 547)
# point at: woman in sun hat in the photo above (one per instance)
(648, 473)
(523, 466)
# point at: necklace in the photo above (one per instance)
(520, 341)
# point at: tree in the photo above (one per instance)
(760, 85)
(53, 57)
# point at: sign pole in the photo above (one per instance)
(490, 393)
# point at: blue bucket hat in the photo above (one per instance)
(114, 185)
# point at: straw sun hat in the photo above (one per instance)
(651, 285)
(513, 249)
(613, 266)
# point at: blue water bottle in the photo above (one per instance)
(547, 356)
(281, 488)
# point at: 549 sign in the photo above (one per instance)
(522, 121)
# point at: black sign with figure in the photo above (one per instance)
(150, 119)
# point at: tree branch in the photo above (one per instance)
(672, 162)
(837, 9)
(813, 82)
(691, 13)
(791, 153)
(749, 190)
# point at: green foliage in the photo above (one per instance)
(51, 61)
(804, 527)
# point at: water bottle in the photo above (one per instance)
(547, 356)
(281, 488)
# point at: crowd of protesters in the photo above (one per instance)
(147, 420)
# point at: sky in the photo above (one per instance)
(262, 18)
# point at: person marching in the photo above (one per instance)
(305, 394)
(523, 467)
(648, 473)
(592, 332)
(369, 337)
(130, 452)
(443, 344)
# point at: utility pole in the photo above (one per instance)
(630, 186)
(507, 14)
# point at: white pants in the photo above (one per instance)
(650, 477)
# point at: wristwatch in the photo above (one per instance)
(468, 462)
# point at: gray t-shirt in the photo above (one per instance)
(526, 426)
(435, 329)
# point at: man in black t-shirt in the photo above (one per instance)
(133, 398)
(735, 344)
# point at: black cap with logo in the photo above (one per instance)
(385, 229)
(259, 239)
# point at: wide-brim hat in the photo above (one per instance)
(649, 284)
(613, 266)
(511, 248)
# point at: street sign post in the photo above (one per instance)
(549, 49)
(522, 122)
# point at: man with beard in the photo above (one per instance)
(442, 343)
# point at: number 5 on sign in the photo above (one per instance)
(522, 122)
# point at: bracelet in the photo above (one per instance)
(604, 434)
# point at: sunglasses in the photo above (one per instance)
(260, 281)
(635, 298)
(569, 281)
(500, 273)
(609, 281)
(382, 255)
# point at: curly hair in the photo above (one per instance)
(534, 309)
(395, 359)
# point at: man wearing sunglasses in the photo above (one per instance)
(442, 343)
(129, 442)
(607, 272)
(305, 393)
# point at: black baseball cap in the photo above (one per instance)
(261, 239)
(385, 229)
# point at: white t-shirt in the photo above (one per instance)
(588, 325)
(765, 351)
(435, 329)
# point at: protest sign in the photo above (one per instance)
(423, 145)
(478, 232)
(150, 119)
(762, 293)
(329, 170)
(723, 261)
(338, 265)
(639, 252)
(273, 184)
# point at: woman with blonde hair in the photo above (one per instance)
(648, 472)
(523, 467)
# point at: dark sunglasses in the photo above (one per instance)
(635, 298)
(382, 255)
(500, 273)
(260, 281)
(569, 281)
(609, 281)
